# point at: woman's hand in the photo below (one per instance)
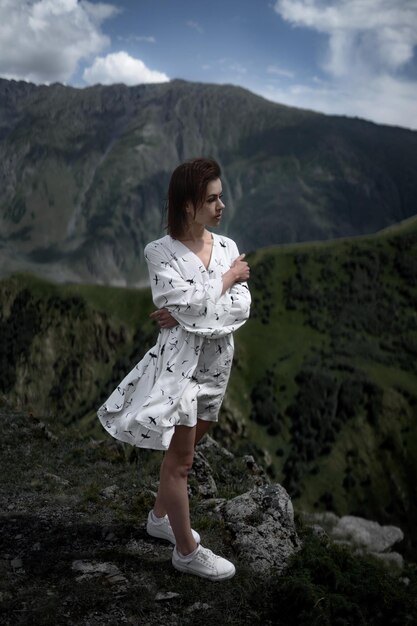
(238, 273)
(240, 269)
(164, 318)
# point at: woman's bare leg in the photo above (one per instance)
(172, 495)
(202, 427)
(159, 508)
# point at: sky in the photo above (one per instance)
(346, 57)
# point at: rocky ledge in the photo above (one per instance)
(74, 548)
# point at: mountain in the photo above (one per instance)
(84, 173)
(324, 385)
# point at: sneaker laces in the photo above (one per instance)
(207, 555)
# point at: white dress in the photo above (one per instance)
(184, 376)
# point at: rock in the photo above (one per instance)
(365, 536)
(257, 472)
(232, 424)
(319, 532)
(150, 551)
(366, 533)
(166, 595)
(390, 558)
(262, 524)
(117, 578)
(208, 444)
(91, 569)
(212, 505)
(110, 492)
(327, 519)
(139, 546)
(203, 473)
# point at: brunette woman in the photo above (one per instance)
(173, 395)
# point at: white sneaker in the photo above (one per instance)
(162, 529)
(204, 563)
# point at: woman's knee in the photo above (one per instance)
(179, 461)
(180, 454)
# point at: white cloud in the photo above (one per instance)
(120, 67)
(99, 11)
(389, 101)
(369, 45)
(44, 40)
(139, 38)
(278, 71)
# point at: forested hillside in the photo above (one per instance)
(323, 389)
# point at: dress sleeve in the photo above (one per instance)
(172, 291)
(199, 307)
(238, 296)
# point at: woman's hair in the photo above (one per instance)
(188, 184)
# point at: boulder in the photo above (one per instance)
(364, 536)
(210, 446)
(261, 522)
(367, 534)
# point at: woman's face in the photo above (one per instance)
(210, 212)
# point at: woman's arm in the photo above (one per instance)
(239, 272)
(172, 291)
(208, 308)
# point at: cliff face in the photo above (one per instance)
(84, 173)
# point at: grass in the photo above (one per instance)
(126, 305)
(52, 526)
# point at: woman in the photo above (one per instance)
(173, 395)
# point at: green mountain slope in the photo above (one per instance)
(324, 385)
(84, 173)
(329, 367)
(63, 347)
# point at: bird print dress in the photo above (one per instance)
(184, 376)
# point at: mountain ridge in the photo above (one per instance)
(85, 172)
